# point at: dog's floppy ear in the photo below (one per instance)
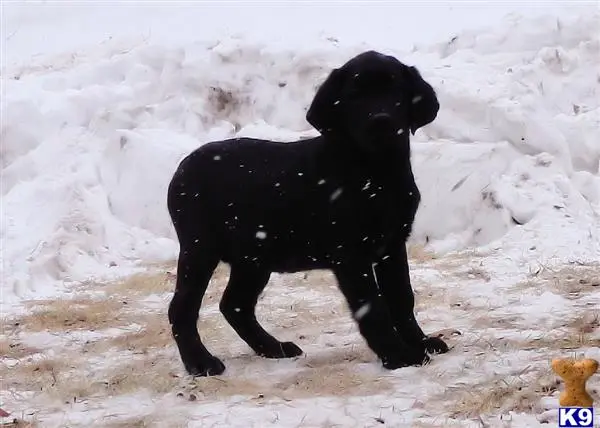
(424, 105)
(322, 114)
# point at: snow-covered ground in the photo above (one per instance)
(100, 101)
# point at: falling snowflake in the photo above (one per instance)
(336, 194)
(261, 234)
(362, 311)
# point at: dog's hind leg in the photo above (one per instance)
(195, 267)
(238, 305)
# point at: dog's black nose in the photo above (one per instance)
(381, 118)
(381, 123)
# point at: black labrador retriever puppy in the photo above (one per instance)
(344, 201)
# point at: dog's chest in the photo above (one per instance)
(369, 213)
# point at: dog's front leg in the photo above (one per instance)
(393, 278)
(357, 283)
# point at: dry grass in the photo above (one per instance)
(419, 254)
(317, 280)
(427, 297)
(146, 366)
(451, 262)
(564, 340)
(154, 334)
(459, 269)
(163, 266)
(43, 374)
(576, 334)
(522, 393)
(159, 279)
(501, 395)
(474, 273)
(73, 314)
(145, 421)
(439, 423)
(303, 313)
(318, 381)
(553, 342)
(19, 423)
(142, 284)
(13, 349)
(489, 321)
(72, 381)
(221, 387)
(154, 374)
(468, 255)
(569, 281)
(574, 279)
(587, 323)
(139, 422)
(64, 381)
(334, 381)
(339, 356)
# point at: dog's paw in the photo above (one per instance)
(281, 350)
(435, 345)
(210, 366)
(414, 357)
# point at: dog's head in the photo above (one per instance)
(375, 100)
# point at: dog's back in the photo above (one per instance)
(288, 206)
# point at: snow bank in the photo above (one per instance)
(535, 84)
(90, 141)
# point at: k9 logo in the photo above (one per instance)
(575, 417)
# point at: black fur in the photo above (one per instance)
(344, 201)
